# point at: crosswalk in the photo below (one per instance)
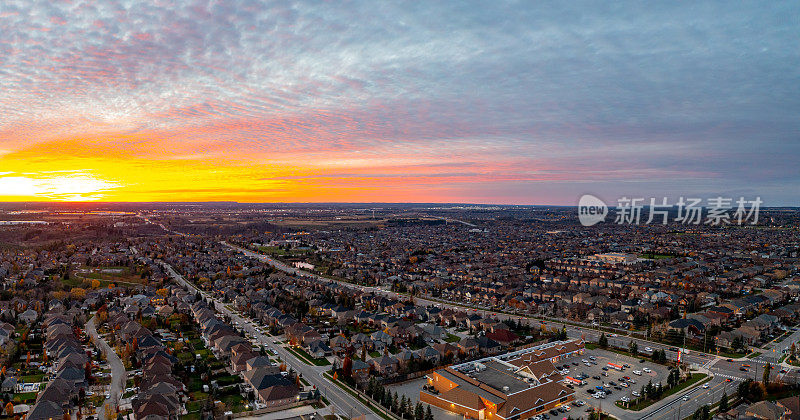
(722, 375)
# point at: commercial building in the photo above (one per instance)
(513, 386)
(614, 258)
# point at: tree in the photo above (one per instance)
(347, 366)
(723, 403)
(419, 412)
(602, 341)
(765, 377)
(428, 413)
(395, 402)
(633, 347)
(10, 409)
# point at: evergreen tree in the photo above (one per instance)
(603, 341)
(419, 412)
(765, 377)
(395, 402)
(723, 403)
(428, 413)
(633, 348)
(402, 407)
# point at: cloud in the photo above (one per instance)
(529, 92)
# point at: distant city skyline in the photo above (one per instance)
(455, 102)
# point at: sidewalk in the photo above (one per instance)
(292, 412)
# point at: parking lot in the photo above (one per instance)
(609, 378)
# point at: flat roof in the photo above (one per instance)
(501, 377)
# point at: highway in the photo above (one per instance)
(344, 403)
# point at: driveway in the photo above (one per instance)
(118, 374)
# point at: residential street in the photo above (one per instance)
(344, 403)
(118, 374)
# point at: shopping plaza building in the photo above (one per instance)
(512, 386)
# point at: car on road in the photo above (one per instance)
(648, 349)
(596, 377)
(579, 403)
(554, 412)
(705, 386)
(685, 398)
(637, 372)
(647, 370)
(729, 360)
(635, 393)
(728, 380)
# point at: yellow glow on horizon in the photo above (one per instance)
(139, 169)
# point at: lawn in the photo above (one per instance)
(305, 357)
(753, 354)
(228, 380)
(33, 378)
(25, 397)
(234, 402)
(451, 338)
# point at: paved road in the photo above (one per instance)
(344, 403)
(716, 366)
(687, 402)
(118, 374)
(573, 331)
(774, 353)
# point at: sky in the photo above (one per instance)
(529, 102)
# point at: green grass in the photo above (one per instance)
(234, 402)
(695, 379)
(753, 354)
(228, 380)
(274, 250)
(451, 338)
(25, 397)
(306, 358)
(33, 378)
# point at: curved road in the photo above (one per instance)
(118, 374)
